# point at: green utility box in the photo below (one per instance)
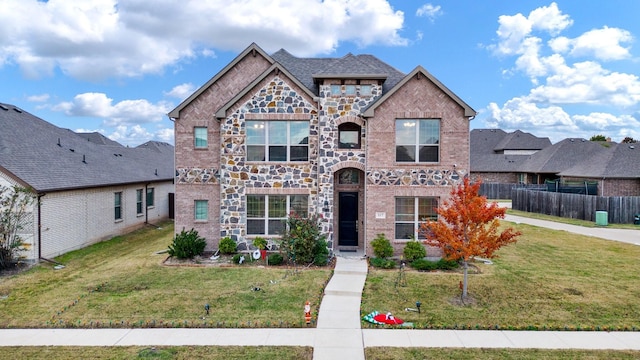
(602, 218)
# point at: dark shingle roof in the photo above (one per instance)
(519, 140)
(562, 155)
(617, 161)
(488, 147)
(307, 69)
(49, 158)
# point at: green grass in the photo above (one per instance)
(491, 354)
(160, 353)
(547, 280)
(122, 283)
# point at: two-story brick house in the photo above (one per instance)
(371, 149)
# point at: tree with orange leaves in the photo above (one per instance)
(467, 227)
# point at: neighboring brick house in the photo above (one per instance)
(369, 148)
(87, 188)
(499, 157)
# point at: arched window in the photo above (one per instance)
(349, 136)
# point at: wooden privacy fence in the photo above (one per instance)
(502, 191)
(620, 209)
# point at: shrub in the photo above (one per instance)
(445, 264)
(321, 257)
(300, 239)
(275, 259)
(428, 265)
(382, 263)
(227, 246)
(236, 258)
(15, 213)
(260, 243)
(424, 265)
(382, 247)
(414, 250)
(187, 245)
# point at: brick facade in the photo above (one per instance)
(222, 174)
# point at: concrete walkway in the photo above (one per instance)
(338, 334)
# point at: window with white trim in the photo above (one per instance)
(139, 206)
(410, 212)
(117, 205)
(277, 140)
(417, 140)
(201, 210)
(267, 214)
(150, 197)
(200, 137)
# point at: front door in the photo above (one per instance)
(348, 218)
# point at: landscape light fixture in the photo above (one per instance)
(206, 308)
(418, 304)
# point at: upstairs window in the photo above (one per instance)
(201, 208)
(277, 140)
(350, 90)
(365, 90)
(200, 137)
(349, 136)
(336, 90)
(418, 140)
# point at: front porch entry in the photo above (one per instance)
(349, 214)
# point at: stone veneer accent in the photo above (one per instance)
(197, 176)
(276, 100)
(410, 177)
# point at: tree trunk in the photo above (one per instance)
(464, 279)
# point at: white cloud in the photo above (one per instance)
(126, 112)
(588, 83)
(181, 91)
(549, 19)
(554, 122)
(96, 39)
(603, 44)
(429, 11)
(38, 98)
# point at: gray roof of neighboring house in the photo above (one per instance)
(48, 158)
(519, 140)
(488, 146)
(562, 155)
(617, 161)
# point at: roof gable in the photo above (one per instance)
(420, 71)
(252, 49)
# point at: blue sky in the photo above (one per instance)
(554, 69)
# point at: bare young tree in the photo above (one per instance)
(15, 212)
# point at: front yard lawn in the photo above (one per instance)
(123, 283)
(547, 280)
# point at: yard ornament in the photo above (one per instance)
(307, 312)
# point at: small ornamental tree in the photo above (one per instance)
(467, 227)
(301, 237)
(15, 214)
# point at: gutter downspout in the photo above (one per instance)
(39, 196)
(146, 206)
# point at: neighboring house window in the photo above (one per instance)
(277, 140)
(267, 214)
(410, 212)
(417, 140)
(150, 197)
(336, 90)
(117, 205)
(139, 206)
(349, 136)
(200, 137)
(201, 210)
